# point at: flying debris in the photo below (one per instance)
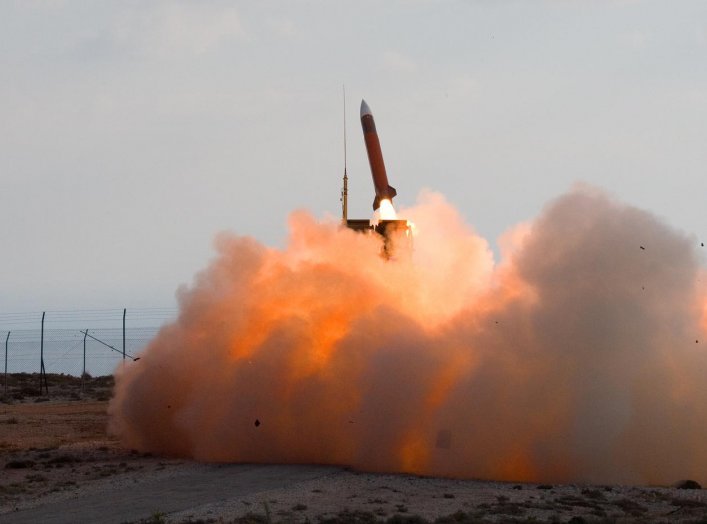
(384, 191)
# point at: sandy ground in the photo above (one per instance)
(58, 452)
(54, 449)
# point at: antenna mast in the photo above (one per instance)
(345, 190)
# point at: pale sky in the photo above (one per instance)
(132, 133)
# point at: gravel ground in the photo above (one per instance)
(360, 497)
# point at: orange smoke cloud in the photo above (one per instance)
(573, 359)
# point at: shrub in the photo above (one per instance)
(688, 484)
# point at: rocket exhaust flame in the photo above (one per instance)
(387, 211)
(573, 359)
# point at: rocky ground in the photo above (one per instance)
(360, 497)
(57, 448)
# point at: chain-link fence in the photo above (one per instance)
(73, 351)
(76, 343)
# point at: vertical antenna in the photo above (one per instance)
(345, 191)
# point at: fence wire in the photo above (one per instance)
(65, 347)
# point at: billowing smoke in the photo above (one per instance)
(579, 357)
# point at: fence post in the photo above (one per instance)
(84, 359)
(6, 339)
(42, 371)
(124, 311)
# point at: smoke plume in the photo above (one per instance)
(580, 356)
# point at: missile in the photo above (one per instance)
(375, 157)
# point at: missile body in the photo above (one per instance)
(375, 157)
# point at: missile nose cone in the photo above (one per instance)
(365, 110)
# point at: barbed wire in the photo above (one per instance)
(86, 315)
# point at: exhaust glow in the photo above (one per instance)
(386, 210)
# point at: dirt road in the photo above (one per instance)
(181, 491)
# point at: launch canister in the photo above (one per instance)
(375, 157)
